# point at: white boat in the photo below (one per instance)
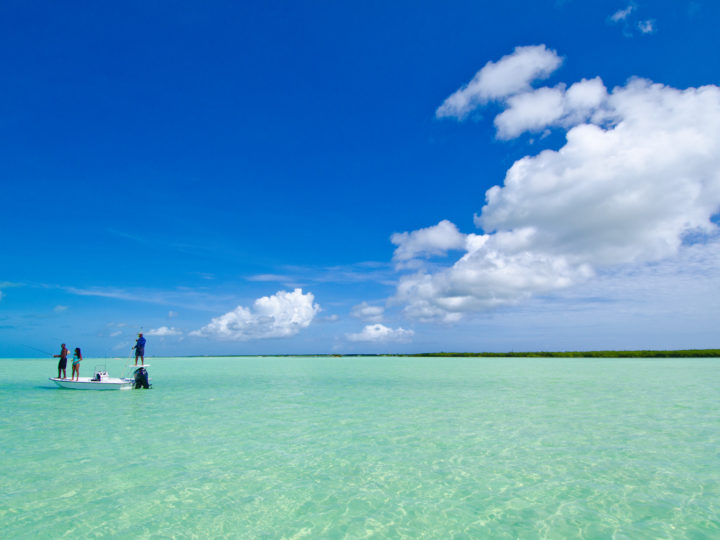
(102, 381)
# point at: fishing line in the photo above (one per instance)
(38, 350)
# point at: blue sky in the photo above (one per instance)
(284, 177)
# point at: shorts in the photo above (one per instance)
(139, 352)
(62, 364)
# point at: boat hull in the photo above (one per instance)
(85, 383)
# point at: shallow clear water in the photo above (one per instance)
(366, 447)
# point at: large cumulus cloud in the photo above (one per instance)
(638, 175)
(283, 314)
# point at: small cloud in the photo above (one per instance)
(116, 333)
(205, 275)
(163, 331)
(368, 313)
(60, 309)
(379, 333)
(627, 20)
(172, 314)
(116, 324)
(511, 75)
(647, 27)
(622, 14)
(7, 285)
(431, 241)
(268, 277)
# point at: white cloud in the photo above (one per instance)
(638, 173)
(268, 277)
(119, 325)
(622, 14)
(282, 315)
(368, 313)
(544, 107)
(627, 20)
(163, 331)
(530, 111)
(435, 240)
(172, 314)
(510, 75)
(116, 333)
(583, 98)
(620, 193)
(60, 309)
(379, 333)
(646, 27)
(7, 285)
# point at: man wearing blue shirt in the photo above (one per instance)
(140, 349)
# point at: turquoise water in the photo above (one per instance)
(366, 448)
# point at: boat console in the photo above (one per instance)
(100, 375)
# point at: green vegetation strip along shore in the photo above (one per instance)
(689, 353)
(686, 353)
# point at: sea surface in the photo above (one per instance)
(367, 447)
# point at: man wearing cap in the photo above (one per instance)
(140, 349)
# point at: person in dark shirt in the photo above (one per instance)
(62, 364)
(140, 349)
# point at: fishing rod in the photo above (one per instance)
(38, 350)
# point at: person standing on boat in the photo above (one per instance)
(77, 358)
(140, 349)
(62, 364)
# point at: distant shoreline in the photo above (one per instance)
(683, 353)
(688, 353)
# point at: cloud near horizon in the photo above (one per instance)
(281, 315)
(163, 331)
(379, 333)
(638, 175)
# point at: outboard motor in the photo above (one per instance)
(141, 378)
